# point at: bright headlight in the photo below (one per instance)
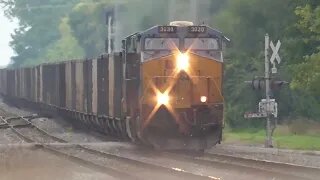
(163, 99)
(203, 99)
(182, 61)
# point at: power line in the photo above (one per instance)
(29, 8)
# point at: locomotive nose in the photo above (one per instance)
(182, 80)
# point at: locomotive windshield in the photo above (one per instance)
(201, 43)
(189, 43)
(161, 43)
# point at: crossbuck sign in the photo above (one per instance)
(275, 55)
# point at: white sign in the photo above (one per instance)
(275, 54)
(255, 115)
(270, 107)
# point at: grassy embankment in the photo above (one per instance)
(295, 136)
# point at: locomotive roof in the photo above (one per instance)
(182, 30)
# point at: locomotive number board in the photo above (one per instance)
(197, 29)
(167, 29)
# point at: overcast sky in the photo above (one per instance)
(6, 28)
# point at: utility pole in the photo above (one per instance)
(117, 31)
(172, 9)
(110, 19)
(109, 34)
(267, 78)
(194, 11)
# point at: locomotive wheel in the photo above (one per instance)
(139, 130)
(131, 129)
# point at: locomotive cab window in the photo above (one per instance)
(161, 43)
(201, 43)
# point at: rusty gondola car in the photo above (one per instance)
(163, 89)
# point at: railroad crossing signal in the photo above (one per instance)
(268, 106)
(259, 83)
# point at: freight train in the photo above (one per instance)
(164, 89)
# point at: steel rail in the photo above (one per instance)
(256, 162)
(283, 169)
(125, 159)
(107, 155)
(78, 160)
(3, 123)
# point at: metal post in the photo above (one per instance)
(267, 78)
(117, 29)
(194, 11)
(172, 9)
(109, 33)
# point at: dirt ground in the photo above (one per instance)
(17, 163)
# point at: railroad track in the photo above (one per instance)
(2, 122)
(284, 170)
(263, 164)
(119, 166)
(112, 164)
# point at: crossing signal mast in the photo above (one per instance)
(268, 107)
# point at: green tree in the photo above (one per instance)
(64, 49)
(307, 73)
(87, 22)
(246, 22)
(38, 26)
(58, 30)
(89, 27)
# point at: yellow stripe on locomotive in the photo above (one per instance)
(186, 79)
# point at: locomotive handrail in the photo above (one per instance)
(208, 77)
